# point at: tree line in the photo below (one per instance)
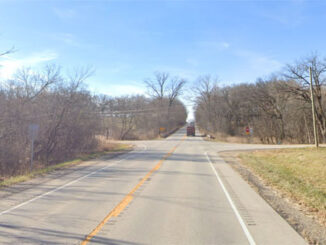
(140, 117)
(278, 109)
(72, 121)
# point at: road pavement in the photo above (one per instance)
(172, 191)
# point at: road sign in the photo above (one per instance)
(32, 133)
(247, 130)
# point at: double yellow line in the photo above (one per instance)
(127, 199)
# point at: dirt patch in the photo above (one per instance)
(306, 225)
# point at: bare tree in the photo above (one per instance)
(63, 111)
(268, 96)
(70, 119)
(164, 89)
(157, 87)
(162, 86)
(274, 114)
(134, 117)
(299, 73)
(204, 91)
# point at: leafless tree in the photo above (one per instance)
(134, 117)
(157, 87)
(299, 74)
(272, 111)
(163, 88)
(62, 110)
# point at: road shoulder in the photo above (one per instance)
(262, 221)
(18, 193)
(306, 226)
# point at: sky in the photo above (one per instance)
(127, 41)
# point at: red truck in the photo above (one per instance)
(191, 130)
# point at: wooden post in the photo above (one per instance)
(313, 109)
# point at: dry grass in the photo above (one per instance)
(219, 137)
(108, 147)
(299, 174)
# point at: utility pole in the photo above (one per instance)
(313, 109)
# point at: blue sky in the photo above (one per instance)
(126, 41)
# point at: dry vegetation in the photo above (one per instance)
(104, 148)
(278, 109)
(62, 109)
(297, 173)
(70, 120)
(140, 117)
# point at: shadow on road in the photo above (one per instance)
(34, 235)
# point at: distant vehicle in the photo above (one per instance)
(191, 130)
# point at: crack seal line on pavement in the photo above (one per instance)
(67, 184)
(128, 198)
(234, 208)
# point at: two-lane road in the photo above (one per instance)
(172, 191)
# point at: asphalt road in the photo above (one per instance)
(172, 191)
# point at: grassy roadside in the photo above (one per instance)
(299, 174)
(85, 157)
(225, 138)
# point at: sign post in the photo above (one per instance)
(162, 130)
(32, 132)
(249, 133)
(247, 130)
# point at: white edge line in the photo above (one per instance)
(67, 184)
(235, 210)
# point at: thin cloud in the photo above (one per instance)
(291, 20)
(215, 45)
(179, 72)
(259, 63)
(65, 13)
(283, 16)
(118, 67)
(192, 62)
(66, 38)
(9, 65)
(121, 90)
(225, 44)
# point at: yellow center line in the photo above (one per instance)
(127, 199)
